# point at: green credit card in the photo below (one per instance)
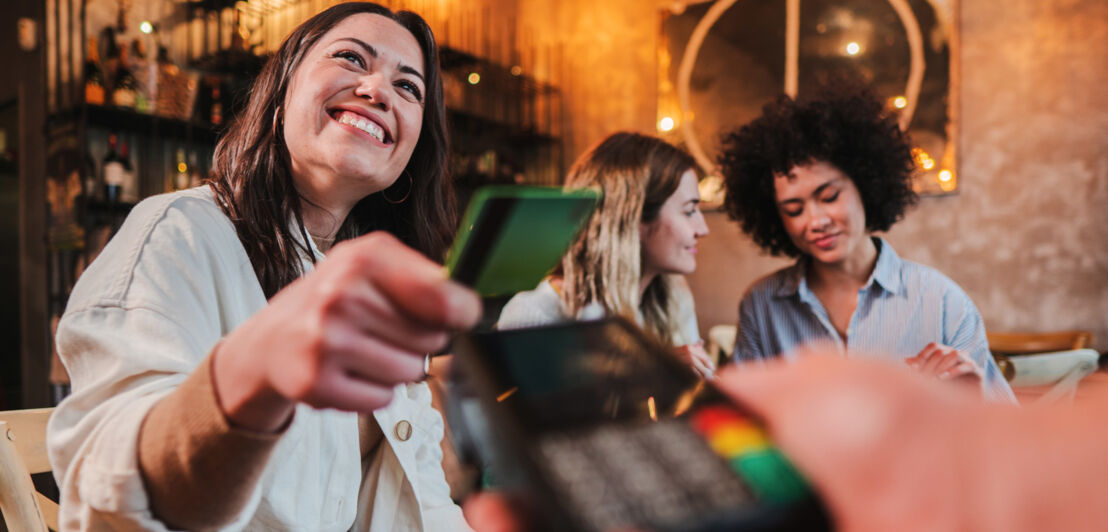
(512, 236)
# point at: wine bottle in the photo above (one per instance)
(113, 170)
(217, 105)
(145, 74)
(196, 177)
(94, 75)
(181, 181)
(109, 60)
(125, 91)
(92, 186)
(129, 187)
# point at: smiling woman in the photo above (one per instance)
(352, 116)
(347, 71)
(211, 342)
(815, 179)
(630, 257)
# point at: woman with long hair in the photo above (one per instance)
(629, 258)
(225, 373)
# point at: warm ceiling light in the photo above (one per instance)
(146, 27)
(900, 102)
(665, 124)
(853, 48)
(474, 78)
(923, 158)
(945, 176)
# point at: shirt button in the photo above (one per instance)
(403, 430)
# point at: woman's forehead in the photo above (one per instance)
(386, 36)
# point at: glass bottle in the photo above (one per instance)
(181, 180)
(113, 170)
(129, 187)
(94, 76)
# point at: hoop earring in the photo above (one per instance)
(406, 194)
(276, 120)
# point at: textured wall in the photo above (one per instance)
(1026, 236)
(605, 57)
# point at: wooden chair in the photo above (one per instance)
(1014, 343)
(1044, 367)
(23, 453)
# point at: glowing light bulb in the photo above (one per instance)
(665, 124)
(146, 27)
(853, 48)
(900, 102)
(474, 78)
(517, 70)
(945, 176)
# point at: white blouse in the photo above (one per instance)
(148, 310)
(544, 306)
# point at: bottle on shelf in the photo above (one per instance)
(217, 105)
(195, 175)
(125, 90)
(181, 179)
(94, 75)
(92, 188)
(129, 192)
(113, 171)
(109, 61)
(145, 74)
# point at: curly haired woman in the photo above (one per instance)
(814, 180)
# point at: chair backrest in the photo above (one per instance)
(1014, 343)
(22, 454)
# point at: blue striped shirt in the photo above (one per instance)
(902, 307)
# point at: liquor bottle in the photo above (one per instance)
(196, 177)
(126, 89)
(181, 180)
(217, 105)
(94, 76)
(92, 188)
(113, 170)
(145, 74)
(129, 188)
(109, 60)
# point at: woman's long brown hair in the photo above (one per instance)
(252, 181)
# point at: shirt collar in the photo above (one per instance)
(793, 278)
(298, 236)
(886, 273)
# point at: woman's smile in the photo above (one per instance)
(364, 123)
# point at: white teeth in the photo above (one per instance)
(365, 125)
